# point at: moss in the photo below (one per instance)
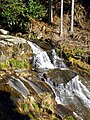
(31, 117)
(1, 66)
(36, 106)
(70, 118)
(79, 63)
(25, 107)
(57, 50)
(74, 52)
(46, 104)
(4, 65)
(56, 118)
(16, 63)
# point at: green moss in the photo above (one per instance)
(36, 106)
(31, 117)
(16, 63)
(57, 50)
(70, 118)
(47, 105)
(25, 107)
(1, 66)
(56, 118)
(4, 65)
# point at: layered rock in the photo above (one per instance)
(11, 46)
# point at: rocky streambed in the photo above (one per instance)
(30, 83)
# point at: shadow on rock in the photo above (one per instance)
(7, 108)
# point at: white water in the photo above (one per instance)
(56, 97)
(57, 61)
(36, 49)
(77, 116)
(71, 93)
(74, 88)
(42, 60)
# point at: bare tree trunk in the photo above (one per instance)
(61, 22)
(50, 11)
(72, 15)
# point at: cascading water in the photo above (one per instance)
(72, 93)
(75, 88)
(41, 59)
(57, 62)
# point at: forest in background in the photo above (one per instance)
(16, 15)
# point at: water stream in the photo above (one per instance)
(42, 60)
(67, 86)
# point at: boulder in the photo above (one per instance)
(12, 47)
(4, 32)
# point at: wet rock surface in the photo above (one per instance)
(32, 90)
(72, 90)
(17, 91)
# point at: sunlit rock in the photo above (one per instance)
(4, 32)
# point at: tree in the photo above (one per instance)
(50, 11)
(72, 15)
(61, 22)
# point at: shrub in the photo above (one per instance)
(15, 14)
(36, 10)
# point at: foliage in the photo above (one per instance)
(27, 64)
(70, 118)
(36, 10)
(56, 118)
(36, 106)
(31, 117)
(16, 63)
(16, 14)
(47, 105)
(25, 107)
(3, 65)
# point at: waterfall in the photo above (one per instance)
(74, 88)
(73, 92)
(57, 61)
(56, 97)
(42, 60)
